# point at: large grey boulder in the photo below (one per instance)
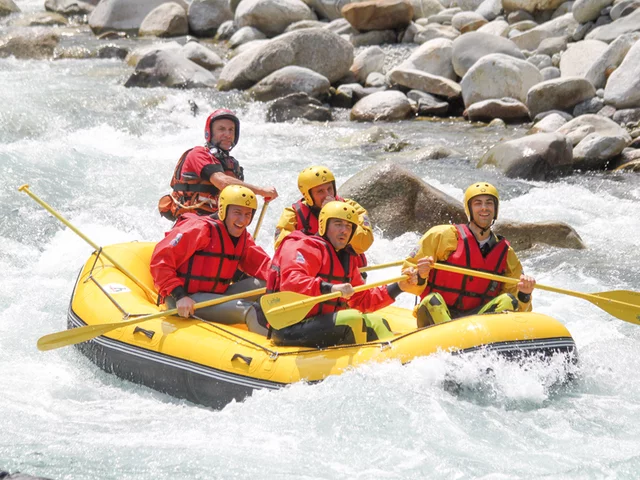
(166, 20)
(203, 56)
(564, 25)
(296, 106)
(121, 15)
(623, 87)
(368, 61)
(576, 60)
(206, 16)
(587, 10)
(559, 94)
(608, 33)
(540, 156)
(291, 79)
(497, 76)
(599, 140)
(471, 47)
(318, 49)
(610, 59)
(531, 6)
(398, 201)
(434, 56)
(382, 106)
(169, 68)
(522, 236)
(272, 17)
(419, 80)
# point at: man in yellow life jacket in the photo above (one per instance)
(317, 185)
(198, 258)
(318, 264)
(202, 172)
(446, 295)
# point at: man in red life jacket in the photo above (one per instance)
(198, 258)
(447, 295)
(317, 185)
(318, 264)
(202, 172)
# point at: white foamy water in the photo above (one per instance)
(102, 155)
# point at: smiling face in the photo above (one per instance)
(322, 194)
(237, 219)
(483, 210)
(224, 133)
(339, 232)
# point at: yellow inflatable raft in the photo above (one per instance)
(212, 364)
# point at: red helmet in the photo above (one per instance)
(218, 115)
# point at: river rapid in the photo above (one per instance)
(102, 155)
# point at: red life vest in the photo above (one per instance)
(308, 220)
(463, 292)
(331, 271)
(212, 269)
(191, 192)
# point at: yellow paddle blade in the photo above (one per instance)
(296, 308)
(624, 304)
(284, 309)
(82, 334)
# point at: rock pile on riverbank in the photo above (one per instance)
(572, 68)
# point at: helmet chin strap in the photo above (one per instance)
(483, 230)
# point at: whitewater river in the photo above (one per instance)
(103, 155)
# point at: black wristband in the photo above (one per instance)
(394, 290)
(524, 297)
(325, 287)
(421, 281)
(178, 293)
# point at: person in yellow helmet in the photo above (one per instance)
(198, 258)
(445, 295)
(318, 264)
(317, 185)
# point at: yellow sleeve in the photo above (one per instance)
(287, 224)
(439, 242)
(363, 238)
(514, 270)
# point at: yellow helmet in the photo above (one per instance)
(312, 177)
(340, 210)
(480, 188)
(236, 195)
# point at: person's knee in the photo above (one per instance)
(502, 303)
(432, 310)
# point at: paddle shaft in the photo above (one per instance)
(368, 268)
(25, 188)
(489, 276)
(260, 218)
(331, 296)
(82, 334)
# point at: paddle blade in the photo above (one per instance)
(78, 335)
(624, 304)
(273, 308)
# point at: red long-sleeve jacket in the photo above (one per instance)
(199, 255)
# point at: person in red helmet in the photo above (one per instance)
(202, 172)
